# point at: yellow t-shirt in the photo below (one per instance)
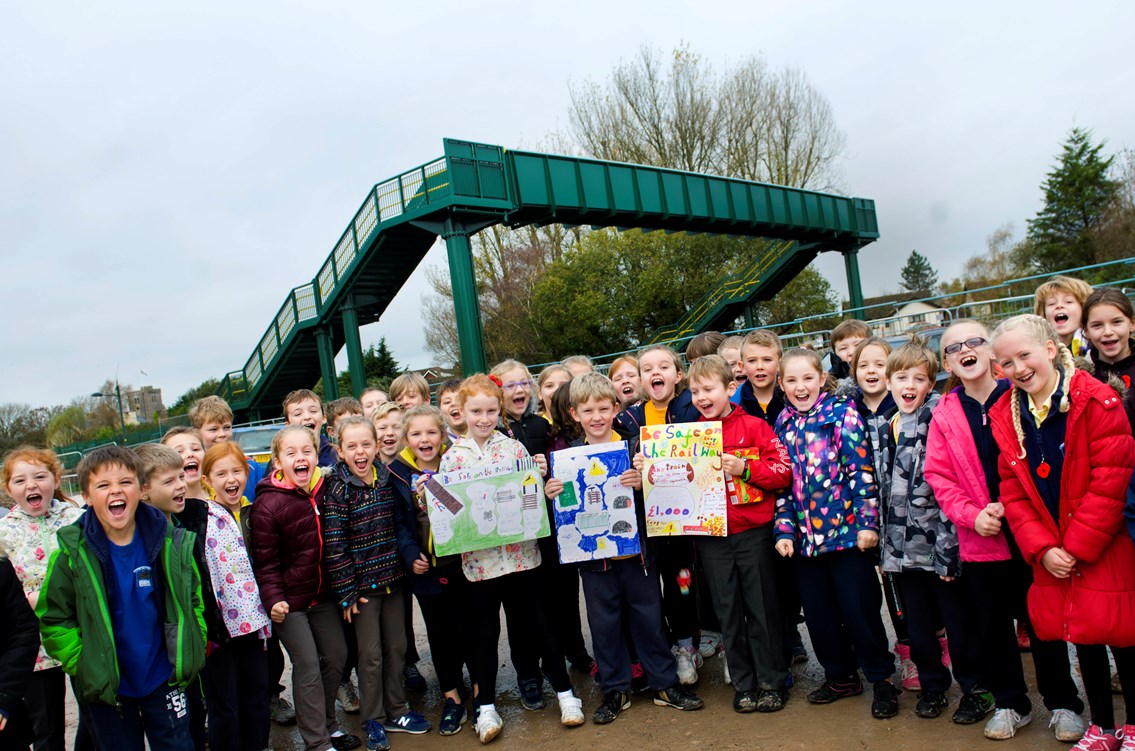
(653, 415)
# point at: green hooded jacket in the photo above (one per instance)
(74, 617)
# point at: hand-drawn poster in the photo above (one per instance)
(488, 506)
(595, 513)
(682, 479)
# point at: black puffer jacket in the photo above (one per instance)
(19, 645)
(287, 544)
(195, 518)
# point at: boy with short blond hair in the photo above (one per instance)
(622, 592)
(845, 338)
(121, 577)
(760, 393)
(409, 390)
(739, 567)
(1061, 300)
(213, 418)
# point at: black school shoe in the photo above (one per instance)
(885, 703)
(974, 707)
(679, 697)
(771, 699)
(532, 694)
(931, 703)
(345, 742)
(613, 703)
(745, 702)
(830, 690)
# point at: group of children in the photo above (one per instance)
(999, 502)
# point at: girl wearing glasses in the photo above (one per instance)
(961, 467)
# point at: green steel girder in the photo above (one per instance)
(473, 186)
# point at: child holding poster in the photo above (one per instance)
(829, 519)
(504, 575)
(668, 402)
(739, 566)
(622, 587)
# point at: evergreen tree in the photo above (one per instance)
(379, 363)
(918, 276)
(1077, 195)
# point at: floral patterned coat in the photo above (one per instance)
(491, 563)
(28, 541)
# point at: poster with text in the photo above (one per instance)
(595, 513)
(682, 479)
(487, 506)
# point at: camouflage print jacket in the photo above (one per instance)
(916, 534)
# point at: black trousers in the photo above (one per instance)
(842, 604)
(46, 697)
(523, 600)
(1095, 670)
(983, 584)
(674, 557)
(626, 597)
(739, 571)
(411, 640)
(926, 596)
(236, 694)
(446, 616)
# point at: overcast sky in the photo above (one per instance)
(168, 171)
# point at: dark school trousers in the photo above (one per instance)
(46, 700)
(626, 596)
(983, 583)
(445, 613)
(926, 596)
(160, 720)
(236, 694)
(380, 629)
(1095, 670)
(523, 600)
(739, 571)
(842, 604)
(674, 557)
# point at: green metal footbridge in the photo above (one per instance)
(474, 186)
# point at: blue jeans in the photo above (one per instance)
(162, 717)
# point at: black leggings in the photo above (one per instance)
(445, 613)
(1095, 670)
(674, 557)
(523, 600)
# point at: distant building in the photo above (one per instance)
(144, 404)
(903, 314)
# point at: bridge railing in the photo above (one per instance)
(411, 191)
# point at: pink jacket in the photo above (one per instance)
(953, 470)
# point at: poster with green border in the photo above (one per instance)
(486, 507)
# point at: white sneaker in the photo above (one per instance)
(709, 643)
(1066, 725)
(1005, 723)
(728, 680)
(687, 672)
(571, 711)
(488, 725)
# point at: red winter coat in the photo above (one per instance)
(770, 470)
(287, 544)
(1096, 604)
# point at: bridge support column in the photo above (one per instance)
(854, 286)
(466, 305)
(327, 364)
(354, 347)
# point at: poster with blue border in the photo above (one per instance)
(595, 513)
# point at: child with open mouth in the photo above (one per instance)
(624, 374)
(1110, 318)
(187, 442)
(27, 537)
(288, 550)
(1060, 301)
